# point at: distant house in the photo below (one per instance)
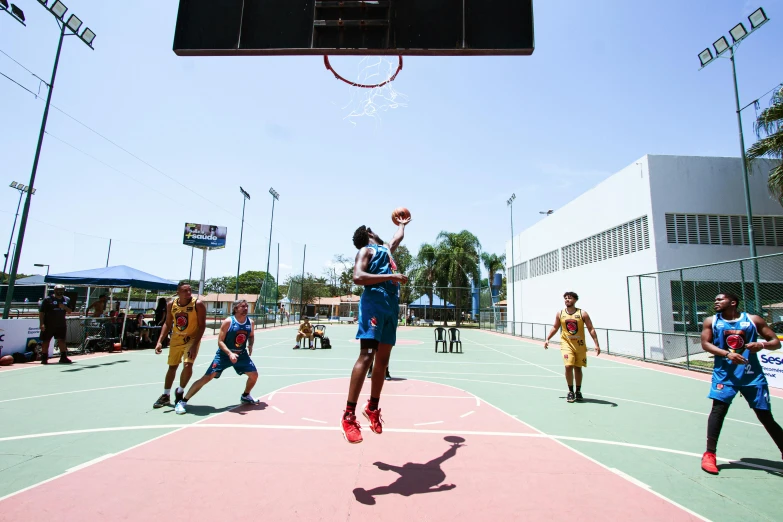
(221, 303)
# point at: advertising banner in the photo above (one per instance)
(19, 335)
(204, 236)
(772, 362)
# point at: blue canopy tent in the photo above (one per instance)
(114, 277)
(424, 302)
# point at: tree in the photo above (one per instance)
(252, 281)
(423, 272)
(404, 261)
(457, 263)
(769, 129)
(493, 263)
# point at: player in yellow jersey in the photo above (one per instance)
(572, 322)
(186, 319)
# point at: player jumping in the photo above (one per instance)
(731, 336)
(572, 322)
(377, 333)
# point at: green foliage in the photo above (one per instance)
(769, 129)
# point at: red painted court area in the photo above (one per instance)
(286, 460)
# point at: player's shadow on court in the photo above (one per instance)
(595, 401)
(244, 409)
(93, 366)
(204, 410)
(775, 464)
(414, 478)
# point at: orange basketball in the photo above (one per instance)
(6, 360)
(400, 213)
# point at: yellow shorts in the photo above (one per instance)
(574, 356)
(179, 353)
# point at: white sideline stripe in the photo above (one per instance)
(89, 463)
(466, 414)
(629, 478)
(314, 420)
(428, 423)
(385, 395)
(517, 358)
(277, 409)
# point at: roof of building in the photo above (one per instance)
(228, 298)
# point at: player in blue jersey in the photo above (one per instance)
(378, 310)
(731, 336)
(235, 346)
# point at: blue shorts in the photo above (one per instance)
(222, 362)
(757, 395)
(377, 322)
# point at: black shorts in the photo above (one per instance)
(56, 332)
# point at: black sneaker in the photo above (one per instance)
(163, 400)
(65, 360)
(388, 375)
(45, 360)
(579, 397)
(570, 397)
(369, 373)
(178, 395)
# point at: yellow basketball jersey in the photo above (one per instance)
(572, 329)
(185, 323)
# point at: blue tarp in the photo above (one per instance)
(424, 302)
(113, 276)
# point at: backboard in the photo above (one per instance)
(379, 27)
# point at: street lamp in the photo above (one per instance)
(275, 197)
(245, 197)
(22, 189)
(510, 204)
(57, 10)
(546, 212)
(13, 11)
(46, 285)
(738, 33)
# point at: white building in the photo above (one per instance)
(659, 213)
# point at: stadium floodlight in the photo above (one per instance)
(88, 36)
(721, 45)
(58, 9)
(13, 184)
(757, 18)
(705, 56)
(738, 32)
(245, 198)
(510, 204)
(4, 4)
(43, 2)
(13, 10)
(74, 24)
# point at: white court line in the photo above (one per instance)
(466, 414)
(428, 423)
(26, 366)
(385, 395)
(517, 358)
(89, 463)
(277, 409)
(314, 420)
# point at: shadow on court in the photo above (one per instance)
(244, 409)
(595, 401)
(414, 478)
(776, 464)
(93, 366)
(204, 410)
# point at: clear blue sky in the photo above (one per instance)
(609, 81)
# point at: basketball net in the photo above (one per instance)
(372, 93)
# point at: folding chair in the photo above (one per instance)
(319, 331)
(440, 337)
(454, 339)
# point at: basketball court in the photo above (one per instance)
(486, 433)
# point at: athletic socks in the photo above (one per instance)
(167, 391)
(180, 389)
(578, 389)
(350, 408)
(571, 388)
(374, 403)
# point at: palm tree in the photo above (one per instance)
(424, 271)
(769, 129)
(457, 263)
(493, 263)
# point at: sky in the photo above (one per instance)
(609, 81)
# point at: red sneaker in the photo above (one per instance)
(374, 418)
(709, 464)
(351, 429)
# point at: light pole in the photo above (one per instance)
(245, 197)
(13, 11)
(22, 189)
(546, 212)
(46, 285)
(738, 33)
(87, 36)
(510, 204)
(275, 197)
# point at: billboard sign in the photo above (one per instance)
(204, 236)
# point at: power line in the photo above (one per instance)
(25, 68)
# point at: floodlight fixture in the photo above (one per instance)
(274, 194)
(13, 183)
(738, 32)
(757, 18)
(4, 4)
(74, 24)
(705, 57)
(511, 199)
(43, 2)
(58, 9)
(244, 193)
(721, 45)
(88, 36)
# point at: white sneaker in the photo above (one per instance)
(248, 399)
(179, 409)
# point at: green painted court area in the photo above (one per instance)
(644, 423)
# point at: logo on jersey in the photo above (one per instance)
(565, 356)
(572, 326)
(719, 386)
(744, 324)
(240, 339)
(181, 320)
(373, 322)
(735, 339)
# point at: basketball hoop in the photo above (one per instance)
(362, 85)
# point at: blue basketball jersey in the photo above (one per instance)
(734, 336)
(382, 263)
(236, 338)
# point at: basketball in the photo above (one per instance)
(6, 360)
(400, 213)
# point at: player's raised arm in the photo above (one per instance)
(552, 331)
(771, 339)
(399, 235)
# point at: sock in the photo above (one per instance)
(350, 408)
(180, 389)
(167, 391)
(571, 388)
(578, 388)
(374, 403)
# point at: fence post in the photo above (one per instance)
(607, 343)
(684, 322)
(630, 315)
(641, 308)
(742, 275)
